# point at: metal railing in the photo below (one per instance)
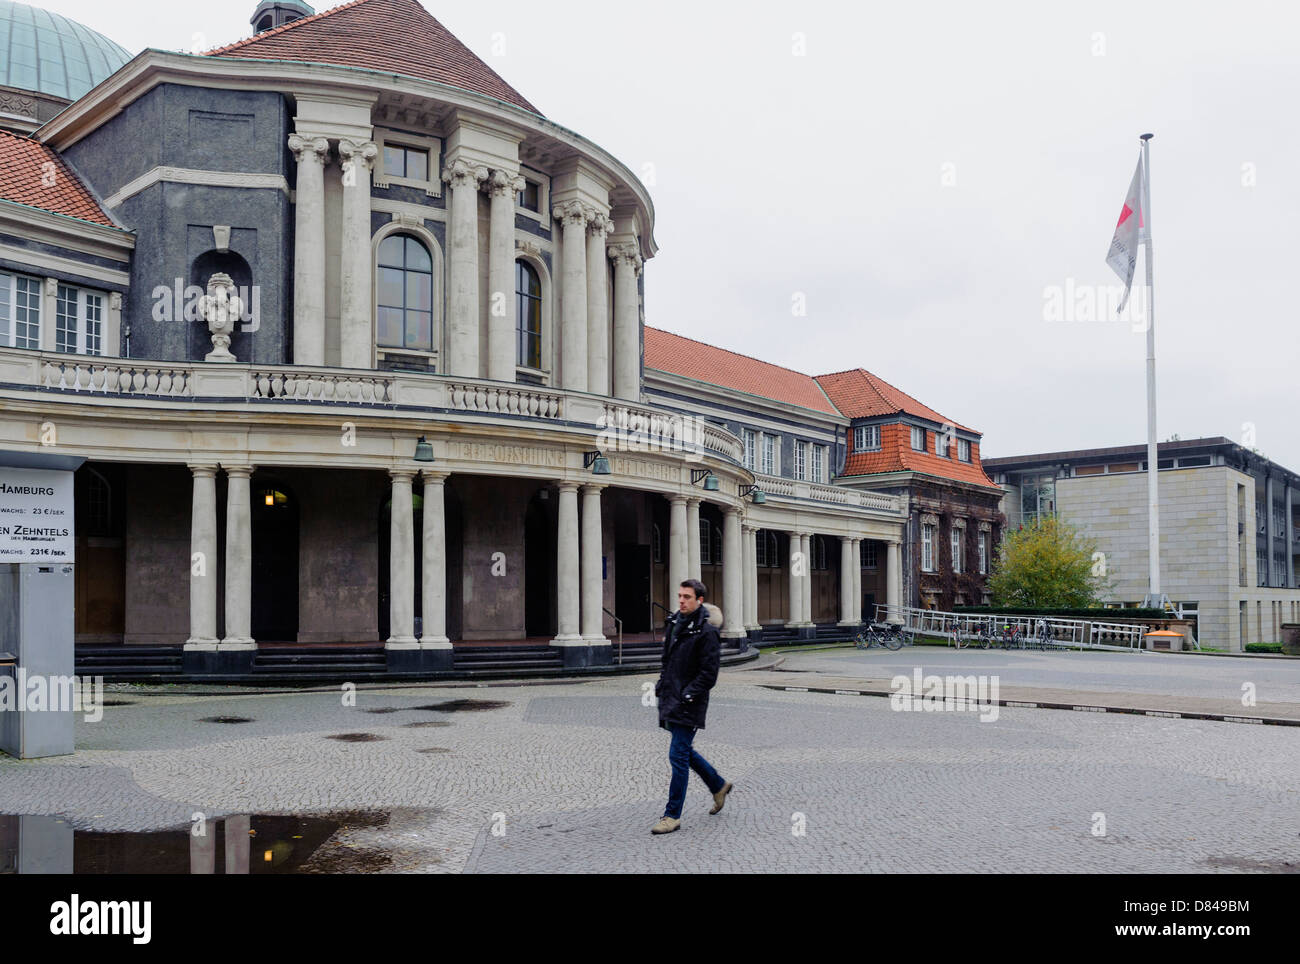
(618, 624)
(1081, 633)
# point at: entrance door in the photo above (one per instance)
(632, 586)
(539, 569)
(274, 521)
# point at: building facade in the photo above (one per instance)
(353, 340)
(1229, 547)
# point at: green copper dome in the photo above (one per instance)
(44, 52)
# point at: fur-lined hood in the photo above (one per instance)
(715, 614)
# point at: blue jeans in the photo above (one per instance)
(682, 755)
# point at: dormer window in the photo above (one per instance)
(406, 162)
(530, 198)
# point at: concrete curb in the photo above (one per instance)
(1050, 705)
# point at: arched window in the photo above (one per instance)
(528, 315)
(405, 294)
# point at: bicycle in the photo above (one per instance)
(1043, 639)
(1011, 637)
(889, 637)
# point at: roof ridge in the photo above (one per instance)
(276, 31)
(738, 354)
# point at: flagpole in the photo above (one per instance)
(1153, 462)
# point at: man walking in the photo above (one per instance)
(689, 670)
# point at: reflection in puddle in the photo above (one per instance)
(237, 844)
(356, 737)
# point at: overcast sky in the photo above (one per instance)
(919, 175)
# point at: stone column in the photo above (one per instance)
(694, 568)
(846, 581)
(597, 306)
(894, 580)
(239, 559)
(504, 185)
(356, 348)
(733, 576)
(751, 576)
(795, 604)
(203, 559)
(567, 567)
(573, 216)
(433, 572)
(627, 322)
(309, 250)
(462, 269)
(857, 583)
(593, 596)
(401, 564)
(677, 547)
(805, 543)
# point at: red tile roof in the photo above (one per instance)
(35, 175)
(896, 455)
(677, 355)
(859, 394)
(391, 36)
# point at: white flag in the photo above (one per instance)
(1129, 233)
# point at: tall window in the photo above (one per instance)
(984, 552)
(765, 549)
(941, 441)
(800, 460)
(769, 454)
(706, 543)
(963, 449)
(927, 548)
(867, 554)
(406, 162)
(528, 315)
(819, 463)
(530, 197)
(405, 294)
(78, 320)
(748, 435)
(20, 311)
(866, 438)
(918, 438)
(656, 544)
(956, 549)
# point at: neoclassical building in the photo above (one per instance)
(352, 339)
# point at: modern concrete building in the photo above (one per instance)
(352, 338)
(1229, 546)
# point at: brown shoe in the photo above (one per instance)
(720, 797)
(666, 825)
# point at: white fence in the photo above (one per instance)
(1081, 633)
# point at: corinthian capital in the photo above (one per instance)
(572, 212)
(505, 184)
(363, 153)
(599, 224)
(308, 148)
(626, 254)
(460, 173)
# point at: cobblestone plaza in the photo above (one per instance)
(570, 776)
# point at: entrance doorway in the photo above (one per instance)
(274, 523)
(539, 566)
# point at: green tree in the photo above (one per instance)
(1048, 564)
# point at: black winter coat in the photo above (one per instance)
(689, 668)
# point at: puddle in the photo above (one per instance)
(456, 706)
(226, 719)
(427, 723)
(1264, 866)
(117, 702)
(241, 844)
(385, 709)
(434, 749)
(356, 737)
